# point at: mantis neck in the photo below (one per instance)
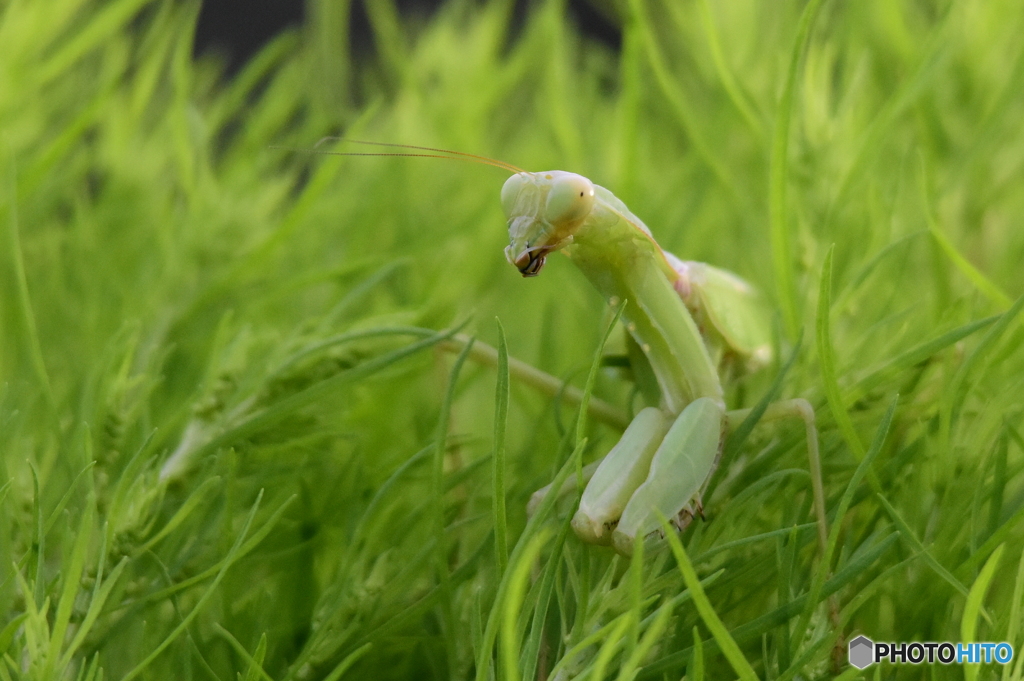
(624, 263)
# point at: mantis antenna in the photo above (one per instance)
(439, 153)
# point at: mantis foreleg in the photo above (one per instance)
(613, 416)
(683, 462)
(619, 475)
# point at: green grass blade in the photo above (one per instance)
(229, 560)
(583, 594)
(588, 388)
(384, 491)
(998, 537)
(778, 177)
(920, 353)
(736, 439)
(595, 366)
(533, 525)
(1012, 624)
(985, 345)
(865, 270)
(254, 662)
(609, 648)
(635, 578)
(437, 489)
(255, 670)
(935, 49)
(5, 489)
(190, 505)
(423, 605)
(908, 535)
(826, 357)
(696, 669)
(725, 75)
(387, 31)
(59, 508)
(573, 463)
(680, 106)
(284, 407)
(759, 626)
(8, 632)
(996, 498)
(654, 632)
(531, 649)
(602, 633)
(715, 550)
(813, 655)
(347, 663)
(513, 602)
(102, 26)
(498, 463)
(100, 595)
(39, 582)
(973, 607)
(69, 591)
(707, 612)
(24, 299)
(221, 566)
(218, 567)
(973, 274)
(825, 565)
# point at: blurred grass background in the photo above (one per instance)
(173, 282)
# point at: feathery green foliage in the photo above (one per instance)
(223, 362)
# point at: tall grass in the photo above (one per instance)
(232, 443)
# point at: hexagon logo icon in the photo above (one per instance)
(861, 652)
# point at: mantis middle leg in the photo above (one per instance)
(801, 409)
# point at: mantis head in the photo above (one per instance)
(544, 211)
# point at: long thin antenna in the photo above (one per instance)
(361, 153)
(483, 159)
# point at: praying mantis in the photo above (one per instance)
(690, 327)
(687, 320)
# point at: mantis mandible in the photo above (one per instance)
(690, 325)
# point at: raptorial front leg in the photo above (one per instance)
(611, 480)
(681, 465)
(618, 476)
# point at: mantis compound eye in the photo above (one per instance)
(510, 192)
(571, 197)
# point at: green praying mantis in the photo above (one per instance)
(687, 322)
(690, 327)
